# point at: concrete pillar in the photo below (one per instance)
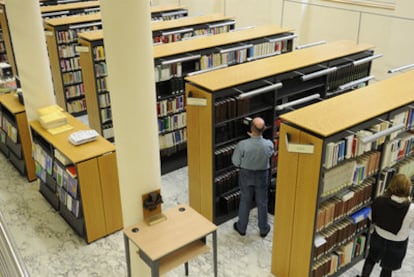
(30, 51)
(129, 57)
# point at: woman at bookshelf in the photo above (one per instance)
(392, 216)
(252, 157)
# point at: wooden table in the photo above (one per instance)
(172, 242)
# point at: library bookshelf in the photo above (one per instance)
(373, 120)
(15, 140)
(6, 45)
(80, 182)
(62, 39)
(191, 26)
(160, 12)
(190, 57)
(69, 9)
(220, 103)
(168, 12)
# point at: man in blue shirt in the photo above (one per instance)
(252, 157)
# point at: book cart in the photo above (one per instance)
(335, 157)
(220, 104)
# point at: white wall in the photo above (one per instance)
(314, 20)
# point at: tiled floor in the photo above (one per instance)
(51, 248)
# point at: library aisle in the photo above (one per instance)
(50, 247)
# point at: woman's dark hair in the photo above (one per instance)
(400, 185)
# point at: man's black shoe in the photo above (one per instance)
(235, 228)
(265, 234)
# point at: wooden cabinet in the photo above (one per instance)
(220, 103)
(350, 137)
(15, 140)
(81, 182)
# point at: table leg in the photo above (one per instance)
(186, 268)
(127, 255)
(155, 269)
(215, 253)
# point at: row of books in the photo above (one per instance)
(406, 166)
(229, 131)
(397, 149)
(167, 16)
(108, 131)
(169, 88)
(346, 74)
(72, 204)
(367, 165)
(329, 265)
(338, 178)
(67, 36)
(70, 64)
(172, 122)
(67, 51)
(226, 181)
(384, 179)
(100, 69)
(171, 106)
(7, 125)
(335, 236)
(231, 107)
(74, 91)
(172, 37)
(350, 172)
(98, 53)
(172, 139)
(72, 77)
(178, 36)
(344, 204)
(164, 72)
(222, 156)
(76, 106)
(229, 203)
(406, 117)
(351, 146)
(104, 100)
(71, 35)
(101, 85)
(106, 114)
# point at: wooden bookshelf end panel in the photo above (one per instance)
(309, 168)
(92, 203)
(111, 195)
(285, 198)
(199, 143)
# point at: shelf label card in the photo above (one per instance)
(83, 49)
(297, 147)
(192, 101)
(48, 33)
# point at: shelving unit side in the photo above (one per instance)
(199, 154)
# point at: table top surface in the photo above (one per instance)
(182, 226)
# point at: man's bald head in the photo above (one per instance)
(257, 126)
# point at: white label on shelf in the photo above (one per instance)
(48, 33)
(83, 49)
(298, 148)
(196, 101)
